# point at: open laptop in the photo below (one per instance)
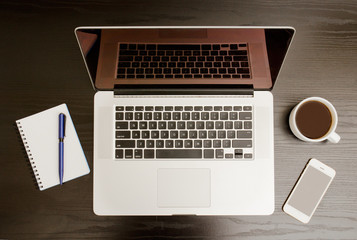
(183, 118)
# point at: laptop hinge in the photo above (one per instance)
(183, 89)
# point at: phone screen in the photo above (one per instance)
(309, 190)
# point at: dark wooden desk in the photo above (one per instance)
(40, 67)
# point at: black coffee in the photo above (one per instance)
(313, 119)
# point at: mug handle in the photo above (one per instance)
(334, 137)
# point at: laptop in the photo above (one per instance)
(183, 118)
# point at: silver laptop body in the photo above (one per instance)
(185, 137)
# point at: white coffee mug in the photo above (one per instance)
(331, 135)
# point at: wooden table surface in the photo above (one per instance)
(41, 67)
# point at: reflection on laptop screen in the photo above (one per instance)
(184, 56)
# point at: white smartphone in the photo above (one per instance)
(309, 190)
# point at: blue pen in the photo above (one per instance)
(61, 135)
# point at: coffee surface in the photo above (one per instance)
(313, 119)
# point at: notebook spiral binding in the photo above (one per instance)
(29, 154)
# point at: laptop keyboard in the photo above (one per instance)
(183, 61)
(186, 132)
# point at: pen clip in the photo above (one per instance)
(64, 125)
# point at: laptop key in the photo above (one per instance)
(157, 115)
(181, 125)
(121, 125)
(221, 134)
(229, 155)
(247, 125)
(149, 153)
(133, 125)
(228, 125)
(159, 143)
(155, 134)
(183, 134)
(233, 115)
(224, 115)
(209, 125)
(150, 143)
(136, 134)
(128, 116)
(164, 134)
(248, 155)
(128, 153)
(169, 143)
(238, 125)
(138, 116)
(167, 116)
(245, 116)
(197, 143)
(231, 134)
(140, 143)
(214, 115)
(205, 115)
(125, 58)
(178, 143)
(219, 125)
(212, 134)
(226, 143)
(173, 134)
(192, 134)
(138, 153)
(242, 143)
(148, 115)
(219, 153)
(176, 116)
(188, 143)
(190, 125)
(171, 125)
(161, 125)
(207, 143)
(125, 143)
(122, 134)
(152, 125)
(143, 125)
(202, 134)
(145, 134)
(195, 116)
(200, 125)
(216, 143)
(186, 116)
(118, 153)
(208, 153)
(238, 153)
(244, 134)
(119, 116)
(178, 153)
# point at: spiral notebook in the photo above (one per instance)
(39, 134)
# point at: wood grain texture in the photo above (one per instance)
(40, 67)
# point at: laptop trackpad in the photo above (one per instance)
(184, 187)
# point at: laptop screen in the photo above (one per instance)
(193, 55)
